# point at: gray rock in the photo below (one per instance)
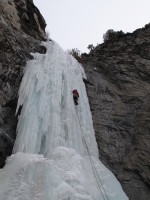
(118, 87)
(18, 38)
(6, 144)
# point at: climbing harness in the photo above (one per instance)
(99, 183)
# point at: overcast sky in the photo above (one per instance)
(78, 23)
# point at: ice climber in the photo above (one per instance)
(75, 96)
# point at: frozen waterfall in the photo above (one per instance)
(55, 153)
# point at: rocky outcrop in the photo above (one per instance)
(23, 16)
(21, 32)
(118, 87)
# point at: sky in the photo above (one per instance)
(78, 23)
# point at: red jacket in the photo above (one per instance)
(75, 92)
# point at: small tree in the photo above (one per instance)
(112, 35)
(47, 35)
(75, 53)
(91, 47)
(108, 35)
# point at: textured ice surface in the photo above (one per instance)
(51, 161)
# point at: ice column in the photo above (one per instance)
(55, 153)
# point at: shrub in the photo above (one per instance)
(91, 47)
(47, 35)
(75, 53)
(112, 35)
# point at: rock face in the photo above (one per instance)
(21, 32)
(118, 87)
(23, 15)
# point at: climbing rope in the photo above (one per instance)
(99, 183)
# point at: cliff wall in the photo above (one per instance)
(22, 28)
(118, 87)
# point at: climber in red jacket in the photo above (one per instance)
(75, 96)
